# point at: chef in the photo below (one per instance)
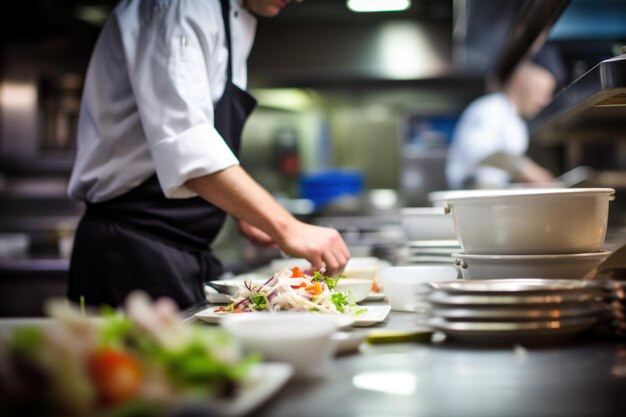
(162, 111)
(491, 138)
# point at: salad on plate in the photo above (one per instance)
(140, 361)
(291, 289)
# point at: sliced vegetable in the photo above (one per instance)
(116, 375)
(292, 290)
(315, 288)
(296, 272)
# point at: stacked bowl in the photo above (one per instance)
(530, 233)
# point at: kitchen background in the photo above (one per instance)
(362, 102)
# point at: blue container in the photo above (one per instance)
(324, 186)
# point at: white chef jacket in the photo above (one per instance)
(157, 70)
(490, 124)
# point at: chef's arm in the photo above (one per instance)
(520, 167)
(234, 191)
(255, 235)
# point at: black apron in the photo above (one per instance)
(143, 240)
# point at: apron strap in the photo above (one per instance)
(226, 18)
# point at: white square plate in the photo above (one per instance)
(264, 381)
(373, 315)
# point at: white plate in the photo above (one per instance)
(375, 296)
(489, 332)
(451, 243)
(265, 380)
(523, 313)
(214, 297)
(446, 260)
(374, 314)
(347, 342)
(517, 286)
(426, 251)
(461, 300)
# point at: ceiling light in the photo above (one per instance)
(378, 5)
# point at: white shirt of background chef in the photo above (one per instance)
(490, 124)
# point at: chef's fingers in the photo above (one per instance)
(335, 262)
(317, 263)
(332, 265)
(327, 263)
(323, 247)
(336, 256)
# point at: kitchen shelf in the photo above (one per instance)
(597, 98)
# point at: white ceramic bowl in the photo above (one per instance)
(438, 198)
(534, 221)
(357, 288)
(402, 284)
(300, 339)
(367, 267)
(568, 266)
(426, 223)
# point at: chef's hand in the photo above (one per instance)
(323, 247)
(255, 235)
(531, 172)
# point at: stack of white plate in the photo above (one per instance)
(432, 252)
(515, 310)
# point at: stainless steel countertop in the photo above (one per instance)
(583, 377)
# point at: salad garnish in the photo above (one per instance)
(292, 289)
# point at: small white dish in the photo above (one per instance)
(367, 267)
(375, 296)
(356, 289)
(402, 283)
(302, 340)
(347, 342)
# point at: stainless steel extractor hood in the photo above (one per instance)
(596, 100)
(492, 37)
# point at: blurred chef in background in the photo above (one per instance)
(161, 117)
(491, 138)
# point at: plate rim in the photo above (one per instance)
(474, 300)
(540, 327)
(520, 313)
(267, 379)
(359, 321)
(535, 285)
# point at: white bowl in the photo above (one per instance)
(300, 339)
(569, 266)
(357, 289)
(402, 284)
(366, 267)
(534, 221)
(438, 198)
(427, 223)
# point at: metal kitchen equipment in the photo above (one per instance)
(613, 267)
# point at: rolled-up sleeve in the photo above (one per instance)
(170, 71)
